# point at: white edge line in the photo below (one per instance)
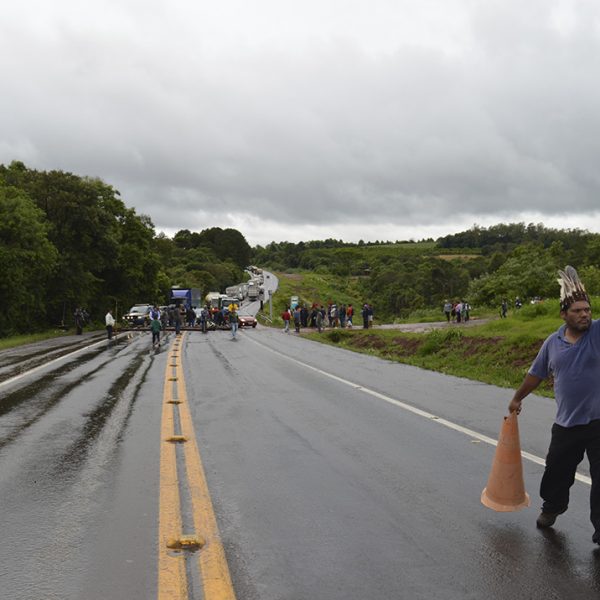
(40, 367)
(417, 411)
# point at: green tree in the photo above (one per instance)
(529, 271)
(28, 260)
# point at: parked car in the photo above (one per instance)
(138, 315)
(247, 321)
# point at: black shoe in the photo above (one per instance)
(547, 519)
(596, 537)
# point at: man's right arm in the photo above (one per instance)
(529, 384)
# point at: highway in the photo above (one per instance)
(329, 475)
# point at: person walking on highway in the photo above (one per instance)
(571, 356)
(233, 319)
(109, 320)
(155, 328)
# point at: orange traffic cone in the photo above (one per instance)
(505, 490)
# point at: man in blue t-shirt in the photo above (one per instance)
(571, 356)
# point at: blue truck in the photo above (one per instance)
(186, 296)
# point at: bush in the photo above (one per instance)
(549, 308)
(438, 339)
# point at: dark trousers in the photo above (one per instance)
(109, 331)
(567, 448)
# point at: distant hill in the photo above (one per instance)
(482, 266)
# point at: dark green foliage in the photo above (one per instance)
(105, 251)
(223, 244)
(28, 260)
(507, 236)
(69, 241)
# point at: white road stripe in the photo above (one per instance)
(413, 409)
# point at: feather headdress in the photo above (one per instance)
(571, 288)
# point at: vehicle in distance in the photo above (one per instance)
(252, 290)
(247, 321)
(138, 315)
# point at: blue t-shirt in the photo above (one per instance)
(576, 371)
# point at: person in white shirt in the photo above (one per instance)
(110, 322)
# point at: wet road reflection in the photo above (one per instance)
(320, 490)
(61, 445)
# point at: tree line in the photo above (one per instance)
(68, 241)
(482, 266)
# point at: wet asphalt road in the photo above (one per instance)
(321, 490)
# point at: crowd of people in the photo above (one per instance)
(160, 318)
(457, 311)
(318, 316)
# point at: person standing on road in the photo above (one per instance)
(365, 316)
(79, 320)
(571, 356)
(297, 318)
(448, 310)
(286, 316)
(177, 318)
(164, 319)
(370, 314)
(109, 320)
(319, 320)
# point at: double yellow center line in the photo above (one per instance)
(175, 545)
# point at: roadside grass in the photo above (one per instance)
(21, 340)
(498, 352)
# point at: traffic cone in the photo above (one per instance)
(505, 490)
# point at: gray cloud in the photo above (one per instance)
(290, 121)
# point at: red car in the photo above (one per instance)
(246, 321)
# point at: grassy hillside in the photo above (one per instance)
(499, 352)
(324, 288)
(313, 287)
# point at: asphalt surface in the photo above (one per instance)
(323, 485)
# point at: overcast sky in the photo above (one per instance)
(352, 119)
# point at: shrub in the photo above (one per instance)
(438, 339)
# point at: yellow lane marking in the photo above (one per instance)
(172, 580)
(211, 558)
